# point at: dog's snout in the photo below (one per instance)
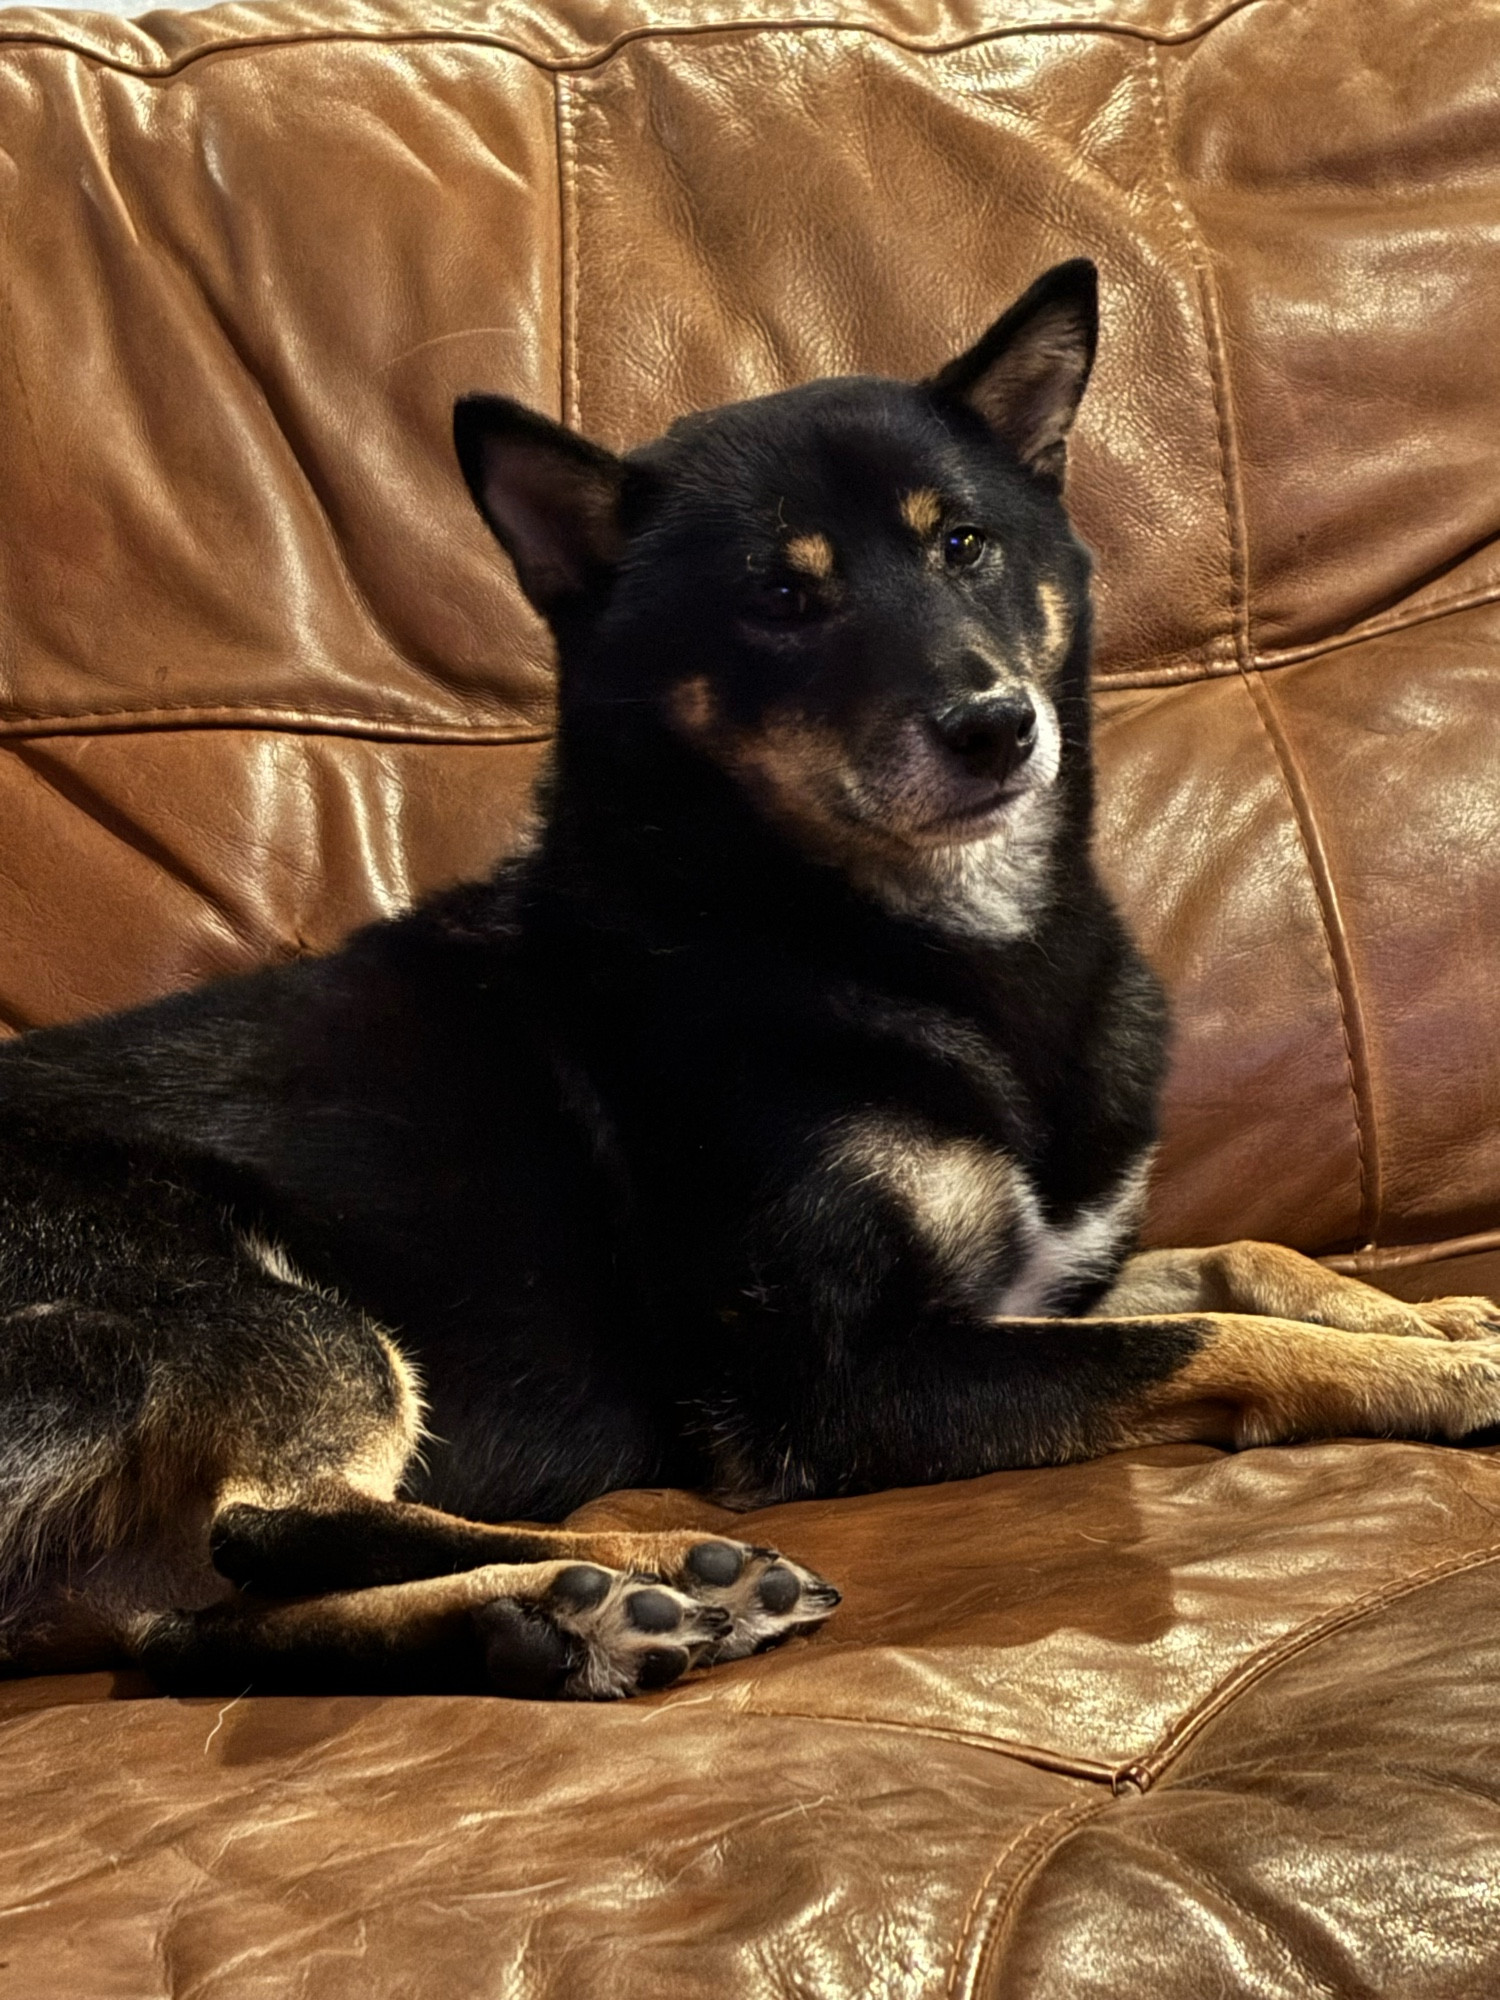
(990, 738)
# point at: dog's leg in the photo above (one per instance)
(1266, 1278)
(122, 1428)
(963, 1399)
(1254, 1380)
(339, 1540)
(545, 1630)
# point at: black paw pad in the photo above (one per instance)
(779, 1589)
(653, 1611)
(661, 1666)
(579, 1587)
(524, 1656)
(718, 1563)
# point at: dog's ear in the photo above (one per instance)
(1027, 375)
(550, 497)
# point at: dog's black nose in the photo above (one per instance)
(990, 737)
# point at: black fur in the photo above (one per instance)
(565, 1133)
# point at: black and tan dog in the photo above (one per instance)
(776, 1124)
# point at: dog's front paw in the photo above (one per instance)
(765, 1597)
(1460, 1319)
(595, 1635)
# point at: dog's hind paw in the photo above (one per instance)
(766, 1596)
(596, 1635)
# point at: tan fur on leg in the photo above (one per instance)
(1247, 1277)
(1258, 1380)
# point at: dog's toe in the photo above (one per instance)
(1460, 1318)
(765, 1597)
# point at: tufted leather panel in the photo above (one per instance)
(1169, 1724)
(253, 253)
(1164, 1725)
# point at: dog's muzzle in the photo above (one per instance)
(990, 736)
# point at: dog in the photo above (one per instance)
(776, 1123)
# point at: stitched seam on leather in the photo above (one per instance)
(567, 249)
(1090, 1770)
(1420, 614)
(454, 37)
(1174, 1740)
(1063, 1821)
(1335, 941)
(1402, 1256)
(290, 722)
(1340, 960)
(1231, 520)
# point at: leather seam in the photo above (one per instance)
(567, 247)
(1335, 942)
(1086, 1770)
(289, 722)
(1181, 670)
(1340, 961)
(1063, 1821)
(1238, 627)
(1378, 628)
(1148, 1770)
(594, 58)
(1404, 1256)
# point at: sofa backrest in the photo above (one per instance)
(263, 675)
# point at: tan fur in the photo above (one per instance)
(1057, 624)
(182, 1463)
(693, 706)
(812, 555)
(1248, 1277)
(1257, 1381)
(921, 511)
(802, 777)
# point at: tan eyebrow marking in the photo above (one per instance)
(921, 510)
(1057, 622)
(812, 554)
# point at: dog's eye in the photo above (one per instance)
(962, 547)
(779, 603)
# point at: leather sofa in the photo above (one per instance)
(1174, 1723)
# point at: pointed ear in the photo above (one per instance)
(1027, 375)
(550, 497)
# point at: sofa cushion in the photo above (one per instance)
(1167, 1724)
(253, 253)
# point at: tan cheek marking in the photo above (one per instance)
(795, 768)
(1057, 618)
(692, 705)
(812, 554)
(921, 510)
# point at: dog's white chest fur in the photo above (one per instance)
(1060, 1255)
(972, 1207)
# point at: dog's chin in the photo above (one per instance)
(922, 824)
(970, 820)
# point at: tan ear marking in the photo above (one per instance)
(921, 510)
(812, 554)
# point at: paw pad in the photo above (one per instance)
(653, 1611)
(763, 1596)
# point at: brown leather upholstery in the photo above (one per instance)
(1170, 1724)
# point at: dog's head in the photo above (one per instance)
(861, 599)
